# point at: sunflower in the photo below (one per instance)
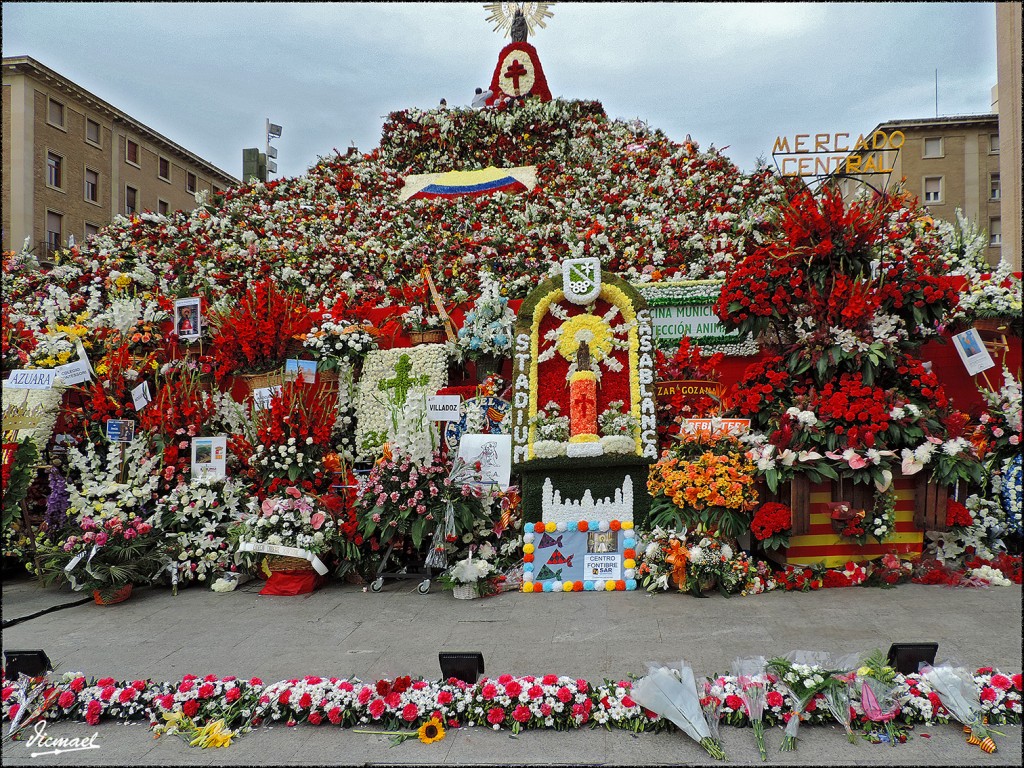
(431, 731)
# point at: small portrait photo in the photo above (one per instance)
(602, 542)
(186, 318)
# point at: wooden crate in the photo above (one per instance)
(815, 541)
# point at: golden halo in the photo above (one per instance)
(589, 328)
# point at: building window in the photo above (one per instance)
(92, 186)
(92, 132)
(54, 230)
(162, 207)
(995, 232)
(933, 147)
(190, 182)
(55, 113)
(993, 187)
(165, 169)
(131, 152)
(993, 143)
(91, 229)
(54, 170)
(933, 189)
(131, 200)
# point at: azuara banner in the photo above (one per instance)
(423, 186)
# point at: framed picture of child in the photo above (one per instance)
(187, 318)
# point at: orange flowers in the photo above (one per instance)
(709, 481)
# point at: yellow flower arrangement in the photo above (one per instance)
(590, 328)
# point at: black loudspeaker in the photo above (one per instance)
(31, 663)
(907, 657)
(466, 666)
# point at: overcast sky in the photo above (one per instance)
(730, 74)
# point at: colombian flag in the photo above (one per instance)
(457, 183)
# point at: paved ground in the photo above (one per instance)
(342, 631)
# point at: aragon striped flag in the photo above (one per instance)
(457, 183)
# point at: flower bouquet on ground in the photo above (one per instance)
(712, 707)
(467, 577)
(958, 693)
(878, 698)
(106, 557)
(294, 528)
(672, 693)
(753, 684)
(802, 677)
(837, 700)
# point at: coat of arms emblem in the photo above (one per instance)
(581, 279)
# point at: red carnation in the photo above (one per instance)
(190, 708)
(305, 700)
(513, 688)
(377, 708)
(92, 712)
(1002, 682)
(67, 698)
(775, 699)
(988, 693)
(206, 690)
(334, 715)
(410, 712)
(127, 695)
(315, 718)
(734, 703)
(521, 713)
(444, 697)
(232, 695)
(495, 715)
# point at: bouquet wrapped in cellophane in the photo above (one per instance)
(958, 694)
(712, 708)
(802, 676)
(672, 693)
(753, 684)
(876, 680)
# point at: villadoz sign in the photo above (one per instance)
(443, 408)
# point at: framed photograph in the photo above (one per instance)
(187, 318)
(973, 353)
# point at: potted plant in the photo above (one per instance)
(487, 331)
(105, 556)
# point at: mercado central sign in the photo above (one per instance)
(825, 154)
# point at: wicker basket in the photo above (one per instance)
(465, 592)
(118, 596)
(263, 380)
(426, 337)
(277, 563)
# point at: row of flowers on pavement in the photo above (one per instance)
(506, 702)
